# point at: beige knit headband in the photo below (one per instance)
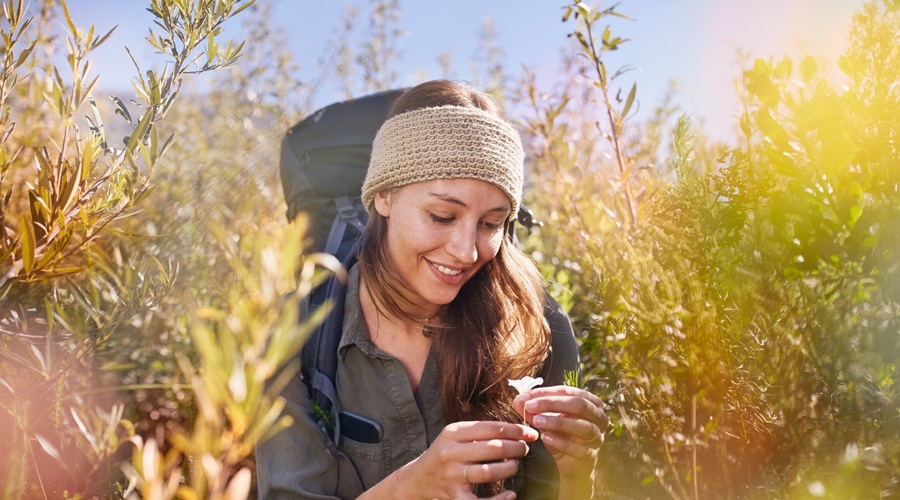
(446, 142)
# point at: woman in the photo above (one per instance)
(441, 312)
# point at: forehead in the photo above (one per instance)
(472, 192)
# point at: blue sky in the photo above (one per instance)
(695, 42)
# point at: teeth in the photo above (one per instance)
(447, 270)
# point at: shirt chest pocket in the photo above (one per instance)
(371, 460)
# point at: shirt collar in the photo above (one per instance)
(354, 331)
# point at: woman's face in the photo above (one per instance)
(440, 233)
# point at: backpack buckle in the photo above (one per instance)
(345, 209)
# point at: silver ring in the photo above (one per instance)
(596, 439)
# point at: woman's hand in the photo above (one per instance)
(572, 425)
(465, 453)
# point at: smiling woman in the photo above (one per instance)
(440, 311)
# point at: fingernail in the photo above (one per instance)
(539, 420)
(531, 405)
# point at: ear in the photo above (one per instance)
(383, 201)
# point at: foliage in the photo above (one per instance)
(743, 315)
(247, 350)
(75, 280)
(736, 308)
(366, 67)
(219, 175)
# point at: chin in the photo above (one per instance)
(443, 299)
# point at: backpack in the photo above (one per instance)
(323, 165)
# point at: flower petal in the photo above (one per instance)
(526, 383)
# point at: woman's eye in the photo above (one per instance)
(491, 226)
(441, 220)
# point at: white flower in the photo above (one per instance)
(526, 383)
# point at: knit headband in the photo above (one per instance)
(446, 142)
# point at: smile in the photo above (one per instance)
(446, 270)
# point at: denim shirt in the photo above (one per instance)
(297, 464)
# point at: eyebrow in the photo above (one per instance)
(456, 201)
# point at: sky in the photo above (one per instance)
(693, 42)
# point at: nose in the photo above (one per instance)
(463, 243)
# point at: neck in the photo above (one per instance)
(410, 325)
(401, 338)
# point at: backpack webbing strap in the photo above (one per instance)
(319, 367)
(319, 370)
(346, 216)
(325, 392)
(329, 338)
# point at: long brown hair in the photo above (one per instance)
(494, 329)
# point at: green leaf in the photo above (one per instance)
(154, 87)
(571, 378)
(241, 8)
(121, 109)
(60, 271)
(72, 28)
(212, 48)
(629, 101)
(102, 39)
(783, 68)
(138, 135)
(583, 9)
(23, 56)
(584, 43)
(808, 68)
(745, 125)
(168, 142)
(28, 243)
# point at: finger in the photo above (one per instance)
(478, 473)
(572, 405)
(483, 431)
(519, 403)
(575, 406)
(493, 449)
(572, 447)
(504, 495)
(561, 390)
(461, 494)
(575, 427)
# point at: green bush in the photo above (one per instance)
(83, 286)
(737, 308)
(742, 315)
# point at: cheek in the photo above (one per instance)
(409, 236)
(488, 247)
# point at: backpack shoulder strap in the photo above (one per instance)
(319, 356)
(348, 216)
(563, 355)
